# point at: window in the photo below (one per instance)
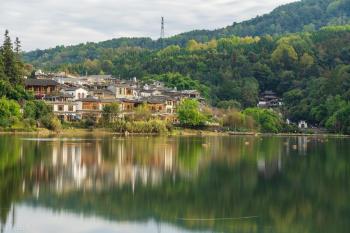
(70, 108)
(61, 108)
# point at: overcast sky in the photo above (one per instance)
(47, 23)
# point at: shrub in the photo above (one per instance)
(152, 126)
(268, 120)
(189, 113)
(51, 123)
(9, 112)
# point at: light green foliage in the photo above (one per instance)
(268, 120)
(9, 112)
(306, 61)
(189, 114)
(170, 50)
(193, 45)
(178, 81)
(284, 55)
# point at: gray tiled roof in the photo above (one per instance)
(41, 82)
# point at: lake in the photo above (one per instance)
(174, 184)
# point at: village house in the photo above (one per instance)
(102, 94)
(76, 92)
(269, 99)
(65, 110)
(89, 107)
(58, 97)
(302, 125)
(41, 87)
(123, 91)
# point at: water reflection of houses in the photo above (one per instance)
(82, 165)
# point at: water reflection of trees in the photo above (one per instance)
(292, 184)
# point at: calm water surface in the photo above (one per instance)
(175, 184)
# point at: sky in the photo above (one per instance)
(46, 23)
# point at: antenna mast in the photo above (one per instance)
(162, 33)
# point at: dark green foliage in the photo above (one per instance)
(340, 120)
(229, 104)
(11, 70)
(38, 113)
(36, 110)
(12, 65)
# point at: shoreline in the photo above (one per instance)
(176, 132)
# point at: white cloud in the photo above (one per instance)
(47, 23)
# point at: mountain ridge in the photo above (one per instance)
(306, 15)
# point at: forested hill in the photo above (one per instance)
(305, 15)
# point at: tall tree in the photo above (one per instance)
(17, 46)
(12, 64)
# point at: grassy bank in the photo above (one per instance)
(75, 132)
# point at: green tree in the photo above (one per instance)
(268, 120)
(340, 120)
(110, 112)
(189, 114)
(9, 112)
(13, 67)
(284, 55)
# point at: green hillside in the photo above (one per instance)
(306, 15)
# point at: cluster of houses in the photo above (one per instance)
(76, 98)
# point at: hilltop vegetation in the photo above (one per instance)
(305, 15)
